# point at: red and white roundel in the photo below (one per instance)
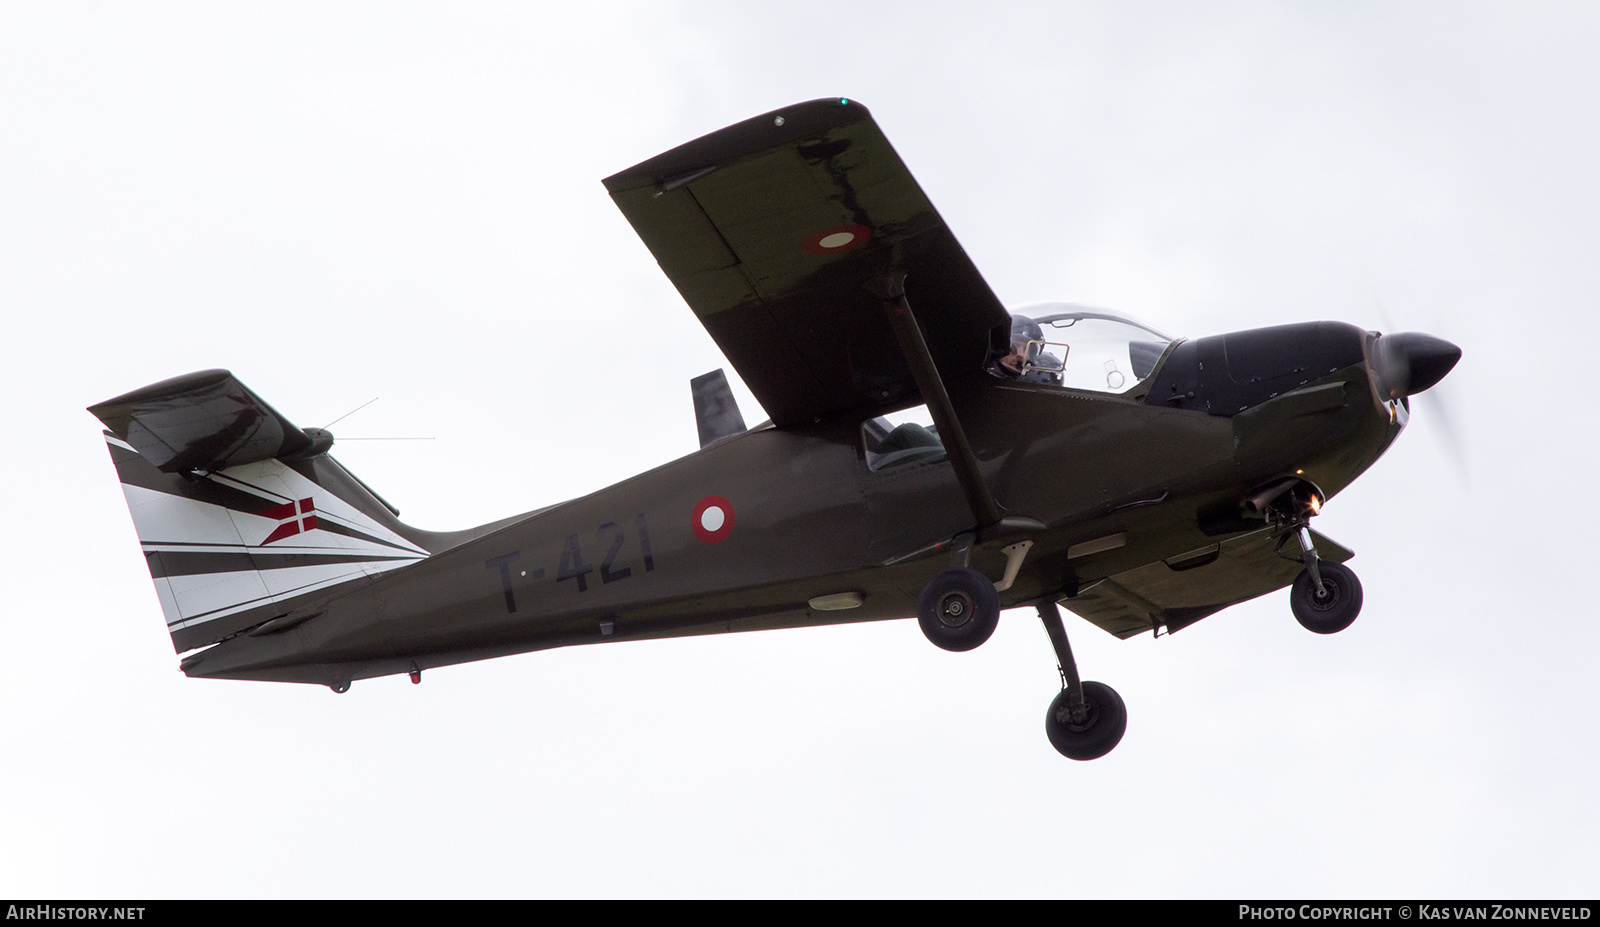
(713, 519)
(838, 239)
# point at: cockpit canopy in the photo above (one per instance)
(1080, 347)
(1056, 344)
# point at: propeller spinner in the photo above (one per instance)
(1407, 363)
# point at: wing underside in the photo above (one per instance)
(770, 229)
(1178, 592)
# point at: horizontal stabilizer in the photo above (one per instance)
(204, 421)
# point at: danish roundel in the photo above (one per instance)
(712, 520)
(838, 239)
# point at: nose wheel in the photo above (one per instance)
(1330, 608)
(1327, 596)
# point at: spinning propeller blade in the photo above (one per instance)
(1408, 363)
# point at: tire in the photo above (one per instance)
(1333, 612)
(1100, 731)
(958, 609)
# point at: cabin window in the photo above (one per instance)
(901, 438)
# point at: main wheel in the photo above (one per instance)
(1100, 730)
(958, 609)
(1336, 608)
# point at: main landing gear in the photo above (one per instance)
(1088, 718)
(960, 608)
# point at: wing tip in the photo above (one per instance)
(774, 129)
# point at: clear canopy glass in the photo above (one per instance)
(1081, 347)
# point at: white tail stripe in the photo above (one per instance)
(205, 593)
(227, 589)
(274, 482)
(159, 516)
(167, 522)
(163, 520)
(169, 603)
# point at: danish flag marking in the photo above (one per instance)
(293, 518)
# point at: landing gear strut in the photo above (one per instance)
(1327, 596)
(1087, 719)
(959, 609)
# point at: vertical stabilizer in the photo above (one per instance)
(240, 546)
(715, 413)
(242, 516)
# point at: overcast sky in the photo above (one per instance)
(339, 201)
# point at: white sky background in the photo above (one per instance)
(341, 201)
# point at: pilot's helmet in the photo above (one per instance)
(1024, 330)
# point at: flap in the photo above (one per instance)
(770, 228)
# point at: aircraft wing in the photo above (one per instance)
(1178, 592)
(769, 228)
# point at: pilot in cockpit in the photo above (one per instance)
(1028, 361)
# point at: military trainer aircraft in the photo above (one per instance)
(928, 452)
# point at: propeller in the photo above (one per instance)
(1409, 362)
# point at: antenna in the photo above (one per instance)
(358, 409)
(350, 413)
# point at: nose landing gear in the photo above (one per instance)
(1330, 608)
(1326, 597)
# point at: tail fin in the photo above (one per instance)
(241, 515)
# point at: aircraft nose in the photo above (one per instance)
(1409, 362)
